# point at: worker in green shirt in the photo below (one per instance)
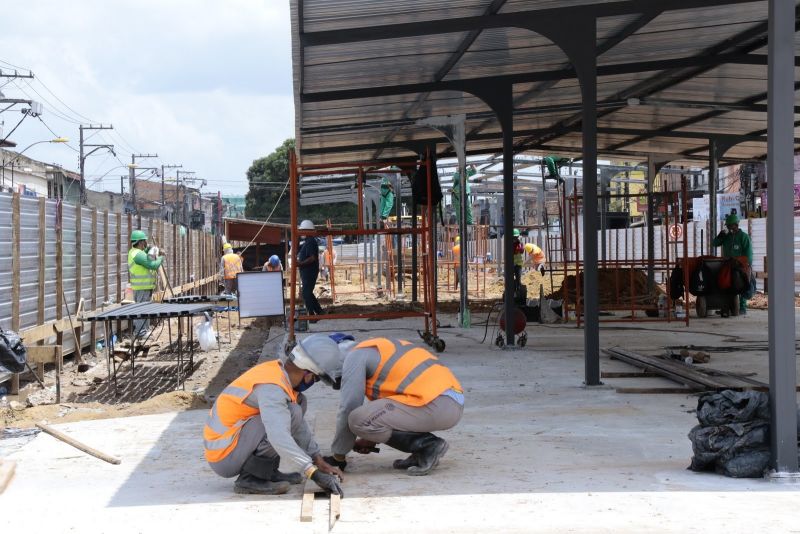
(143, 263)
(735, 243)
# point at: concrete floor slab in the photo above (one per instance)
(535, 452)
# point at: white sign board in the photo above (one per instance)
(260, 294)
(700, 208)
(726, 203)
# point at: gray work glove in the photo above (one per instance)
(330, 483)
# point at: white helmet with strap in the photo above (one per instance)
(320, 355)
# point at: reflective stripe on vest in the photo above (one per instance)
(407, 373)
(230, 412)
(232, 264)
(140, 277)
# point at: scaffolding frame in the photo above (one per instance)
(426, 231)
(674, 254)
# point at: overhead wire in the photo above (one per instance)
(70, 115)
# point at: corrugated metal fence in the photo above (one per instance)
(56, 254)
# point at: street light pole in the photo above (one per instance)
(83, 155)
(132, 176)
(180, 218)
(163, 201)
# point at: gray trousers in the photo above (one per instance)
(253, 441)
(141, 295)
(375, 420)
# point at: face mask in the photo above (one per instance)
(303, 385)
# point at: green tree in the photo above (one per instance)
(267, 177)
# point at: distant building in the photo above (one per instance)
(234, 206)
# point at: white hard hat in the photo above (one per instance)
(319, 354)
(306, 225)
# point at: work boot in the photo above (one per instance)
(424, 447)
(429, 450)
(405, 463)
(278, 476)
(255, 478)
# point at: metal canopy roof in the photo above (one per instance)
(671, 74)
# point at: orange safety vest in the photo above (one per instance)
(457, 254)
(229, 413)
(232, 264)
(537, 255)
(408, 374)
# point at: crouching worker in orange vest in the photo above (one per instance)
(257, 422)
(410, 394)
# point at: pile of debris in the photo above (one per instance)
(621, 286)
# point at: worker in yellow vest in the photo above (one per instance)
(230, 266)
(457, 260)
(143, 263)
(535, 256)
(409, 393)
(257, 422)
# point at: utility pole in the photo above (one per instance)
(132, 175)
(15, 74)
(180, 214)
(94, 148)
(163, 202)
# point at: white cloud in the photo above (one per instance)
(204, 83)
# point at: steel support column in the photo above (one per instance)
(780, 239)
(713, 187)
(501, 99)
(651, 230)
(581, 49)
(505, 117)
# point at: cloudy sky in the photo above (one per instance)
(203, 83)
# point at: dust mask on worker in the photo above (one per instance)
(309, 379)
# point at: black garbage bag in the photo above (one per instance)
(733, 437)
(732, 407)
(739, 450)
(12, 352)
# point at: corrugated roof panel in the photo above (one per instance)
(728, 83)
(513, 6)
(686, 33)
(324, 15)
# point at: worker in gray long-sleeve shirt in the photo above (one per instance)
(257, 421)
(409, 392)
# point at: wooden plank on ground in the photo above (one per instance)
(640, 374)
(650, 391)
(335, 510)
(7, 468)
(675, 371)
(307, 505)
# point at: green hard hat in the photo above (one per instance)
(731, 219)
(516, 232)
(138, 235)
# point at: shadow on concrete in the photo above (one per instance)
(528, 428)
(174, 470)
